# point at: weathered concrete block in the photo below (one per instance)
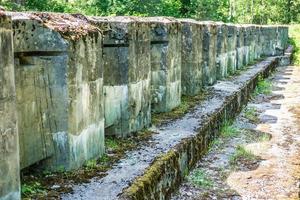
(222, 56)
(165, 63)
(9, 141)
(191, 57)
(257, 42)
(247, 44)
(209, 53)
(269, 36)
(59, 82)
(240, 46)
(231, 49)
(282, 39)
(252, 37)
(127, 75)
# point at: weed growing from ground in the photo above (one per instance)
(228, 130)
(33, 188)
(241, 154)
(263, 87)
(112, 143)
(251, 114)
(200, 178)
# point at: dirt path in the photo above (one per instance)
(262, 168)
(278, 175)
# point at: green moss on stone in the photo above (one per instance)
(187, 103)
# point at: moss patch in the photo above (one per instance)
(152, 176)
(187, 104)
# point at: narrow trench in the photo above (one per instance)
(257, 155)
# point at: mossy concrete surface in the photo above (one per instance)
(191, 57)
(59, 83)
(209, 53)
(167, 171)
(165, 63)
(9, 142)
(127, 75)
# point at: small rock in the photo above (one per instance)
(55, 187)
(189, 194)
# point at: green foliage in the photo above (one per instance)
(228, 130)
(217, 10)
(200, 178)
(241, 11)
(91, 164)
(295, 41)
(263, 87)
(31, 189)
(112, 143)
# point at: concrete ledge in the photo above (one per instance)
(227, 99)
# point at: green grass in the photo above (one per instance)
(241, 154)
(112, 143)
(295, 41)
(251, 114)
(29, 189)
(263, 87)
(200, 178)
(228, 130)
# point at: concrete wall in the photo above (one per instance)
(240, 46)
(9, 142)
(77, 78)
(209, 53)
(232, 49)
(191, 55)
(127, 74)
(165, 63)
(59, 82)
(222, 54)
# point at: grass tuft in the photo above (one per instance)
(251, 114)
(228, 130)
(200, 178)
(29, 189)
(241, 154)
(263, 87)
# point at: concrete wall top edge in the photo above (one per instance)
(70, 26)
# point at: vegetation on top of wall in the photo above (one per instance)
(240, 11)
